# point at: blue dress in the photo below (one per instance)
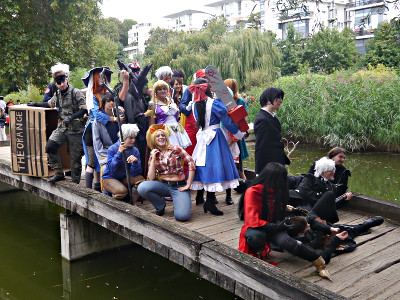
(215, 168)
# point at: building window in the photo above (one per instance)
(301, 26)
(368, 18)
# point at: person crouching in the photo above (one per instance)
(114, 177)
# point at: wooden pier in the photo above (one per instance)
(206, 245)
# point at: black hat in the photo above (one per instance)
(106, 70)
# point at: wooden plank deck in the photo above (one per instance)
(370, 272)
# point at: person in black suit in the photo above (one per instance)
(267, 129)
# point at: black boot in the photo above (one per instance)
(200, 197)
(228, 198)
(57, 177)
(209, 205)
(367, 225)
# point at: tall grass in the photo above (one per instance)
(358, 111)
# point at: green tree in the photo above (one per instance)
(159, 37)
(36, 34)
(236, 54)
(109, 28)
(292, 50)
(329, 50)
(126, 25)
(384, 47)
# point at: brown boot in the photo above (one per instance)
(319, 264)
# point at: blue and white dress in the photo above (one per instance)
(215, 168)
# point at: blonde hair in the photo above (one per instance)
(151, 138)
(159, 84)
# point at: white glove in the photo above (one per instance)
(189, 106)
(239, 135)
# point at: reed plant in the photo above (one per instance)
(357, 111)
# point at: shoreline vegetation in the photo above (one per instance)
(359, 111)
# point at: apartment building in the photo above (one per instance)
(235, 11)
(137, 37)
(188, 20)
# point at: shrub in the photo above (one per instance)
(352, 110)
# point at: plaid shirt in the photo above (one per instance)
(171, 162)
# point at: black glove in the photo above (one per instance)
(30, 103)
(67, 120)
(142, 79)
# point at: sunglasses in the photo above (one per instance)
(59, 79)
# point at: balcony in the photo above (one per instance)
(299, 15)
(362, 31)
(358, 3)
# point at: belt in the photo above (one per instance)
(175, 183)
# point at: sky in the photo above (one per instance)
(149, 11)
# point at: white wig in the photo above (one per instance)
(59, 67)
(163, 72)
(324, 164)
(129, 130)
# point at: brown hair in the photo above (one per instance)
(297, 225)
(335, 151)
(232, 84)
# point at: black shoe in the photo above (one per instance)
(160, 212)
(210, 206)
(199, 200)
(57, 177)
(68, 173)
(229, 201)
(367, 225)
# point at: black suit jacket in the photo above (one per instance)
(269, 147)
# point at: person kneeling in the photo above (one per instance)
(166, 176)
(114, 177)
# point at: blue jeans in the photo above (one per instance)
(154, 191)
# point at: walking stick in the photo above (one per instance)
(121, 138)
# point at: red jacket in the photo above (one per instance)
(252, 207)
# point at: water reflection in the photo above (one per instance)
(373, 174)
(32, 268)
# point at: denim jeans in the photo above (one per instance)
(154, 191)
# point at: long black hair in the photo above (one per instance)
(274, 175)
(201, 105)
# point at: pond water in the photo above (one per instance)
(376, 174)
(32, 268)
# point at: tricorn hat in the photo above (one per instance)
(106, 70)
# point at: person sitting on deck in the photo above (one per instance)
(317, 192)
(114, 177)
(342, 174)
(166, 175)
(264, 205)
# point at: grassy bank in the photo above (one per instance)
(358, 111)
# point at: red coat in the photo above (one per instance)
(252, 207)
